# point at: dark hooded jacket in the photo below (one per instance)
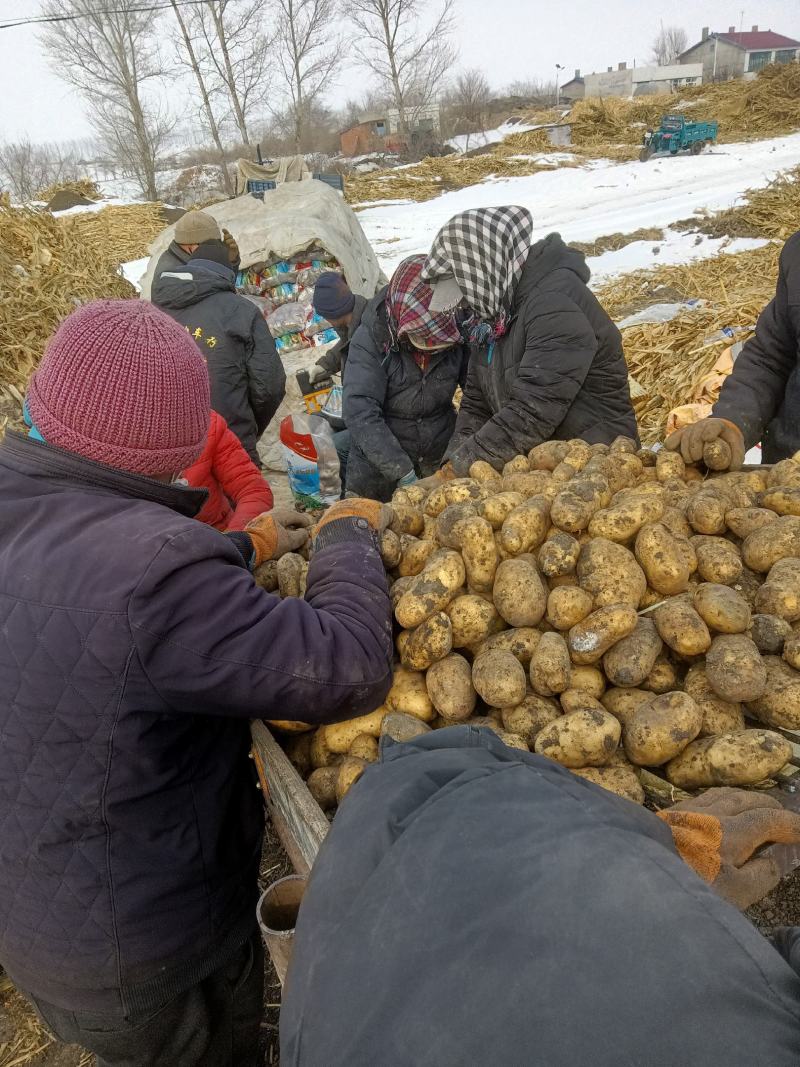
(335, 358)
(559, 371)
(134, 647)
(400, 418)
(172, 258)
(762, 395)
(248, 381)
(474, 904)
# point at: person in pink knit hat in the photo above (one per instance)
(134, 648)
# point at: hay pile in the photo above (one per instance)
(125, 231)
(80, 187)
(598, 121)
(612, 242)
(773, 212)
(668, 359)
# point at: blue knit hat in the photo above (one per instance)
(332, 296)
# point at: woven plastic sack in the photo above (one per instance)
(288, 318)
(312, 463)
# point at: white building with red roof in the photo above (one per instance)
(737, 54)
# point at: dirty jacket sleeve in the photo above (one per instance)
(266, 378)
(752, 394)
(559, 348)
(364, 396)
(212, 642)
(241, 481)
(473, 411)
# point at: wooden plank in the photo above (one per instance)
(297, 817)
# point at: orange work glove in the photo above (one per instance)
(444, 474)
(376, 515)
(691, 440)
(718, 833)
(277, 532)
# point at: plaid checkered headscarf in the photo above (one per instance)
(484, 250)
(407, 307)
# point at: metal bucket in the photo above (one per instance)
(277, 912)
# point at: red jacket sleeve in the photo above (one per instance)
(241, 481)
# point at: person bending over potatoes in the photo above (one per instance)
(475, 904)
(134, 647)
(548, 361)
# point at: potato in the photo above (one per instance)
(576, 504)
(350, 771)
(456, 491)
(782, 499)
(663, 678)
(266, 575)
(519, 594)
(791, 650)
(567, 606)
(611, 574)
(449, 519)
(550, 666)
(590, 639)
(661, 728)
(499, 679)
(780, 704)
(662, 559)
(407, 520)
(397, 589)
(648, 457)
(534, 483)
(744, 521)
(479, 552)
(526, 526)
(769, 634)
(747, 585)
(787, 472)
(432, 589)
(521, 642)
(402, 727)
(449, 684)
(298, 749)
(579, 700)
(290, 726)
(528, 719)
(512, 740)
(292, 570)
(589, 679)
(735, 759)
(430, 642)
(517, 465)
(719, 716)
(675, 521)
(481, 471)
(717, 454)
(681, 628)
(629, 662)
(364, 747)
(322, 786)
(619, 780)
(706, 511)
(390, 549)
(472, 620)
(780, 594)
(410, 695)
(622, 521)
(558, 556)
(412, 496)
(718, 560)
(762, 549)
(622, 703)
(414, 554)
(339, 736)
(582, 739)
(734, 668)
(669, 465)
(547, 455)
(319, 753)
(624, 444)
(496, 509)
(721, 608)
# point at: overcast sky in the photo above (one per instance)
(508, 39)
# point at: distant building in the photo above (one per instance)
(735, 55)
(574, 89)
(378, 132)
(364, 137)
(642, 81)
(426, 119)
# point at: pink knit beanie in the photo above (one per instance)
(123, 384)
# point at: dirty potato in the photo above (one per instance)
(721, 608)
(551, 666)
(567, 606)
(449, 684)
(499, 679)
(662, 559)
(611, 574)
(528, 719)
(430, 642)
(735, 759)
(581, 739)
(629, 662)
(432, 589)
(661, 728)
(681, 628)
(590, 639)
(735, 669)
(519, 594)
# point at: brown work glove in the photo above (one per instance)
(378, 516)
(233, 249)
(691, 441)
(444, 474)
(718, 833)
(277, 532)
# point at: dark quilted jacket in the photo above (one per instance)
(134, 646)
(559, 372)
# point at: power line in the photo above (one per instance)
(41, 19)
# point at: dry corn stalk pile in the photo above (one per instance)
(773, 211)
(81, 187)
(668, 359)
(611, 242)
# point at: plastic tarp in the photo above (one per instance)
(285, 169)
(292, 218)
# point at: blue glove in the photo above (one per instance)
(407, 479)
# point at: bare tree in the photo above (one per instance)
(232, 50)
(467, 100)
(669, 43)
(410, 61)
(210, 119)
(110, 55)
(538, 91)
(26, 168)
(307, 55)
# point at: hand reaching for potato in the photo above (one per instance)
(718, 442)
(718, 834)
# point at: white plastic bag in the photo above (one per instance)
(312, 462)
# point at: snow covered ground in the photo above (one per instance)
(600, 198)
(465, 142)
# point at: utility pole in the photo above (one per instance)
(559, 68)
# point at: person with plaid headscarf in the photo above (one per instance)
(548, 362)
(402, 371)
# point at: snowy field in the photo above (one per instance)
(600, 198)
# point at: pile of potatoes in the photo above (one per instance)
(607, 607)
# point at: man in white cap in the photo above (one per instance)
(191, 230)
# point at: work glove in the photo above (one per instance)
(376, 515)
(444, 474)
(233, 249)
(277, 532)
(718, 833)
(318, 374)
(691, 440)
(408, 479)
